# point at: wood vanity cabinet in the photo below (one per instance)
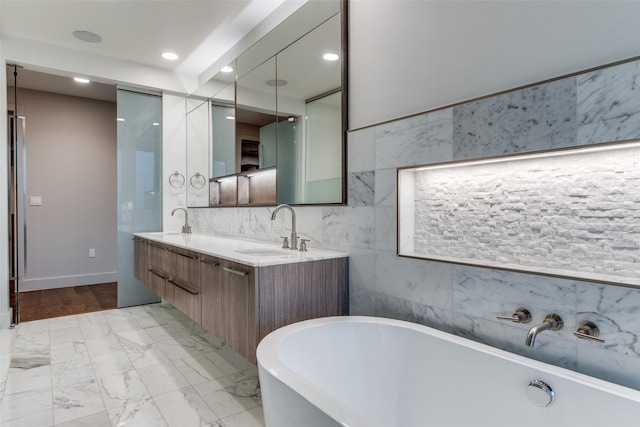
(228, 306)
(183, 285)
(141, 257)
(172, 273)
(241, 304)
(157, 269)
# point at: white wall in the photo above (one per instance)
(410, 56)
(174, 158)
(71, 165)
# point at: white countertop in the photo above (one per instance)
(249, 252)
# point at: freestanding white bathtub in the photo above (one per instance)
(375, 372)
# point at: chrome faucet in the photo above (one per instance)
(186, 228)
(294, 235)
(552, 322)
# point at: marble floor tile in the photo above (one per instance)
(111, 363)
(251, 418)
(34, 418)
(144, 355)
(19, 381)
(28, 408)
(106, 344)
(138, 366)
(64, 322)
(72, 372)
(231, 395)
(68, 351)
(119, 390)
(64, 335)
(198, 369)
(185, 408)
(142, 413)
(94, 330)
(76, 401)
(100, 419)
(162, 378)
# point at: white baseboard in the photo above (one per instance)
(5, 319)
(67, 281)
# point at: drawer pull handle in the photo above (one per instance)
(184, 255)
(158, 273)
(184, 287)
(211, 263)
(231, 270)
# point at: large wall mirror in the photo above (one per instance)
(276, 127)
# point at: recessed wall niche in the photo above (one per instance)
(566, 212)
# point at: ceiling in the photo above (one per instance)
(200, 32)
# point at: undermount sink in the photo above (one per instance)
(261, 252)
(165, 233)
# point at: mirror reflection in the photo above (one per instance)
(276, 132)
(310, 133)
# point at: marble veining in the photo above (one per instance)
(426, 138)
(534, 118)
(607, 104)
(362, 188)
(28, 362)
(147, 366)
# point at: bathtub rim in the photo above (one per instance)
(269, 362)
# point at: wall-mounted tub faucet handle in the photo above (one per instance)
(285, 242)
(521, 315)
(588, 331)
(551, 322)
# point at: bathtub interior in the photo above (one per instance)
(366, 373)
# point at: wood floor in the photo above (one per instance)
(36, 305)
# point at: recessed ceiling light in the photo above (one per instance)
(87, 36)
(170, 56)
(227, 69)
(120, 119)
(230, 118)
(156, 124)
(330, 57)
(276, 82)
(81, 80)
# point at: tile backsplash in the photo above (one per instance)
(598, 106)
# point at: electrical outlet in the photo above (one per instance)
(92, 253)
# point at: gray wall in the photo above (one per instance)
(71, 164)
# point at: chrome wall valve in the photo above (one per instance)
(588, 331)
(521, 315)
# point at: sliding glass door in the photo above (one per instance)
(139, 185)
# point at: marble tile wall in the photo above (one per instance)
(595, 107)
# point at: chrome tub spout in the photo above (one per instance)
(551, 322)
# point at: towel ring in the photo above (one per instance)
(200, 178)
(176, 180)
